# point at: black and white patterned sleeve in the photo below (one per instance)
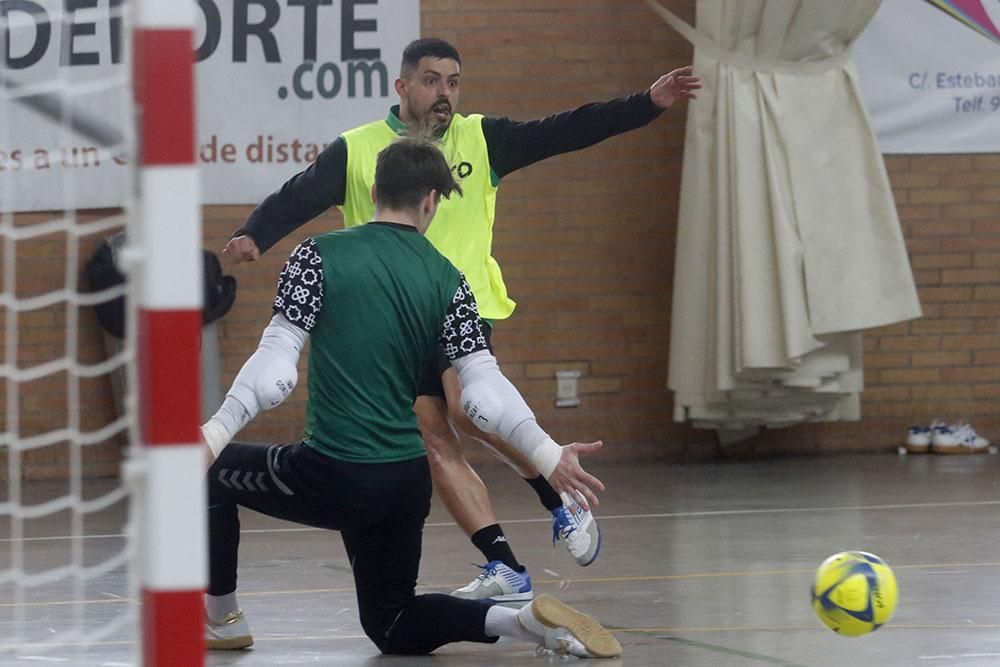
(300, 286)
(462, 332)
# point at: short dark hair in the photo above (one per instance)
(423, 48)
(407, 169)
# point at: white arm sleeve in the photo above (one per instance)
(265, 380)
(494, 405)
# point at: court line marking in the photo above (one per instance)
(435, 586)
(603, 517)
(715, 648)
(814, 626)
(648, 631)
(953, 656)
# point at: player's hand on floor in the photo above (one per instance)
(241, 249)
(570, 477)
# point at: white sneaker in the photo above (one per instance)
(567, 631)
(498, 582)
(919, 438)
(578, 528)
(232, 633)
(959, 439)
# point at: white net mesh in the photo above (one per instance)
(66, 178)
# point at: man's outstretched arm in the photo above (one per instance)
(513, 145)
(303, 197)
(495, 406)
(266, 379)
(271, 372)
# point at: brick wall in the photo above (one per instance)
(42, 405)
(587, 242)
(946, 364)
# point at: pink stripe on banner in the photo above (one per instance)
(969, 12)
(164, 91)
(976, 12)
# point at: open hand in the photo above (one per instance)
(569, 477)
(677, 85)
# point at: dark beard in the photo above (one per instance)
(425, 126)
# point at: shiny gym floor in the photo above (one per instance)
(706, 564)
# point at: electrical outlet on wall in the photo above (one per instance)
(567, 392)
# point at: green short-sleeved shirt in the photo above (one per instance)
(386, 293)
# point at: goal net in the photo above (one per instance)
(101, 500)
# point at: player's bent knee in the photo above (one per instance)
(390, 639)
(376, 633)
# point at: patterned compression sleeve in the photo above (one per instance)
(300, 286)
(462, 332)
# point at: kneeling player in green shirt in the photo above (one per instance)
(378, 301)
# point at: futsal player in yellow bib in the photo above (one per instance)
(481, 151)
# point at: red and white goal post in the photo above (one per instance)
(172, 527)
(59, 595)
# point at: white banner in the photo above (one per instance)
(277, 80)
(930, 75)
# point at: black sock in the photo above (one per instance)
(493, 543)
(546, 493)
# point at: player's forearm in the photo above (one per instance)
(265, 380)
(269, 222)
(494, 405)
(513, 145)
(303, 197)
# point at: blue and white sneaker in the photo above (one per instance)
(578, 528)
(959, 439)
(919, 438)
(498, 582)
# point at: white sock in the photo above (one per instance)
(219, 606)
(502, 622)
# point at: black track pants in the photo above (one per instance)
(379, 509)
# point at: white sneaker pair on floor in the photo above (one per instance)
(942, 438)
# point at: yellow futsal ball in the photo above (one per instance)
(854, 593)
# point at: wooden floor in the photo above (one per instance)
(705, 564)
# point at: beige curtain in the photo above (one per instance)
(788, 242)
